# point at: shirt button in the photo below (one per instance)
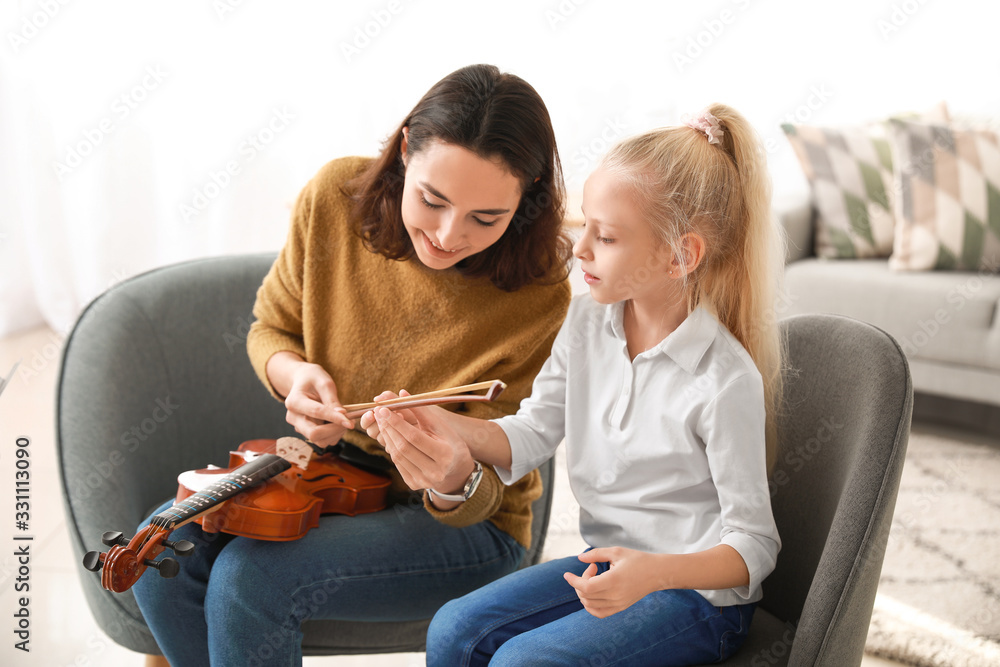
(627, 390)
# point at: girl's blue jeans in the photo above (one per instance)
(239, 601)
(533, 617)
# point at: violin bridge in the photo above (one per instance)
(295, 451)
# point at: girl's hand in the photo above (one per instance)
(627, 582)
(370, 424)
(313, 407)
(428, 453)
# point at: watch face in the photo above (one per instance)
(473, 483)
(470, 486)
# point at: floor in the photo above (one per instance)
(62, 631)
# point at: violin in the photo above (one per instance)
(272, 490)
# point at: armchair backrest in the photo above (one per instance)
(849, 401)
(155, 380)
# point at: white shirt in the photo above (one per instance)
(665, 453)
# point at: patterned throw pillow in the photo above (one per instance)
(947, 197)
(849, 170)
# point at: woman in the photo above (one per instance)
(439, 263)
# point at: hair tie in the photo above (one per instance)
(708, 124)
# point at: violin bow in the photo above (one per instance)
(451, 395)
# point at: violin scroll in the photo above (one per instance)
(126, 560)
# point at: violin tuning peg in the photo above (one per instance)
(180, 547)
(92, 561)
(167, 567)
(114, 537)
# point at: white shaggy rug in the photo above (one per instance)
(938, 602)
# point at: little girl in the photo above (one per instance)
(664, 382)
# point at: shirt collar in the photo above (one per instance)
(686, 345)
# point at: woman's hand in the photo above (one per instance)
(427, 451)
(629, 579)
(313, 406)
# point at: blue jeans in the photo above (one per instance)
(533, 617)
(239, 601)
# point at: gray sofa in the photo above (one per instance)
(947, 322)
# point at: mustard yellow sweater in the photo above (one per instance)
(377, 324)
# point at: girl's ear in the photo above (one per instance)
(403, 144)
(687, 254)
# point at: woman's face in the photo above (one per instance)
(455, 203)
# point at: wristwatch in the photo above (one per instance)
(471, 485)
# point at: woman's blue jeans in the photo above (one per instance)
(239, 601)
(533, 617)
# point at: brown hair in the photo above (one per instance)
(722, 192)
(495, 116)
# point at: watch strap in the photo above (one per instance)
(453, 497)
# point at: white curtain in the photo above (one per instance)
(137, 134)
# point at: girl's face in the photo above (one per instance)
(455, 203)
(618, 252)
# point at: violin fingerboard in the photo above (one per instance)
(247, 476)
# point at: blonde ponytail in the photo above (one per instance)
(721, 191)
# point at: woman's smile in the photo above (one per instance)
(435, 247)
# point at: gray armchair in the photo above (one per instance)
(155, 380)
(833, 490)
